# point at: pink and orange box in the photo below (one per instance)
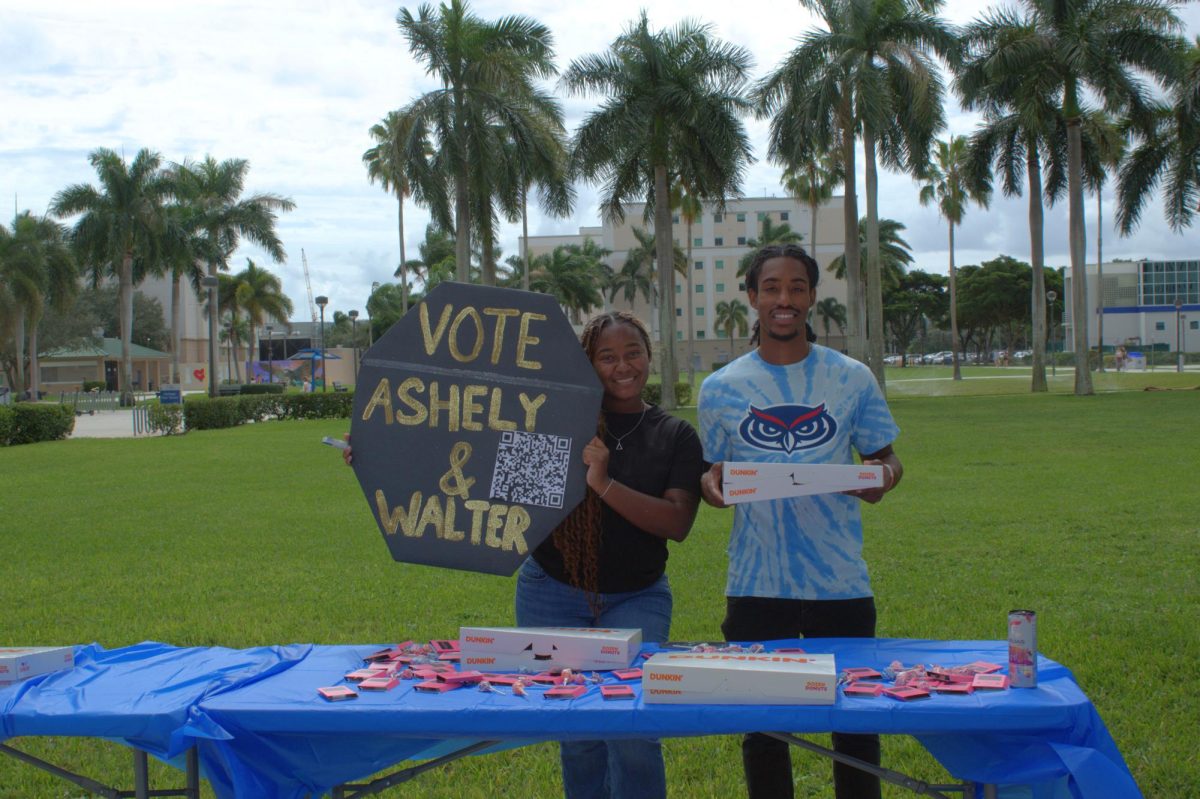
(720, 678)
(747, 481)
(21, 663)
(547, 648)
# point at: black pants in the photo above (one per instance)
(768, 760)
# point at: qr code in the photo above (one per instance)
(531, 468)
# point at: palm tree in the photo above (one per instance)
(1107, 48)
(672, 106)
(639, 273)
(1170, 149)
(869, 74)
(812, 180)
(947, 185)
(730, 315)
(120, 222)
(690, 209)
(488, 72)
(831, 312)
(571, 277)
(895, 257)
(38, 269)
(219, 216)
(1107, 151)
(771, 234)
(259, 295)
(386, 164)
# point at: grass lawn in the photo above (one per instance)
(1081, 508)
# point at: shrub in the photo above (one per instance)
(319, 405)
(257, 407)
(166, 419)
(718, 364)
(34, 422)
(652, 393)
(262, 388)
(6, 424)
(212, 414)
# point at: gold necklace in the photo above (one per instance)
(626, 434)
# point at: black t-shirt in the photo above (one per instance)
(663, 452)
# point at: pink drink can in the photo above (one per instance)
(1022, 649)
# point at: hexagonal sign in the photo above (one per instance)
(470, 418)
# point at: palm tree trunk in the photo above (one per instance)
(125, 292)
(35, 373)
(691, 355)
(1100, 275)
(1037, 257)
(19, 330)
(525, 236)
(953, 309)
(403, 259)
(875, 332)
(175, 292)
(664, 246)
(855, 306)
(1083, 375)
(462, 230)
(812, 242)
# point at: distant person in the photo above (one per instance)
(1120, 358)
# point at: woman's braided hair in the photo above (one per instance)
(796, 253)
(577, 537)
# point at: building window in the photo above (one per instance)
(699, 334)
(675, 219)
(742, 240)
(1193, 325)
(718, 218)
(679, 335)
(679, 312)
(698, 242)
(741, 217)
(783, 216)
(721, 287)
(741, 286)
(762, 215)
(700, 310)
(1160, 325)
(720, 264)
(699, 288)
(719, 241)
(699, 264)
(720, 332)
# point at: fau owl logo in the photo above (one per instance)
(788, 427)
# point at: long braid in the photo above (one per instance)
(796, 253)
(577, 537)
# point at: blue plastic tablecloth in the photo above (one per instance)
(271, 735)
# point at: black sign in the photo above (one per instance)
(470, 418)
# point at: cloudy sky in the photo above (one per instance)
(294, 88)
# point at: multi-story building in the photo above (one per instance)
(719, 240)
(1149, 304)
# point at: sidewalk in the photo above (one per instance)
(105, 424)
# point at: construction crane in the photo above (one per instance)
(312, 306)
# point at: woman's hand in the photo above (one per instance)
(347, 453)
(595, 456)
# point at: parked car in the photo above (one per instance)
(892, 360)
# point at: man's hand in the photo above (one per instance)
(711, 485)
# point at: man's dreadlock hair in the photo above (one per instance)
(578, 536)
(796, 253)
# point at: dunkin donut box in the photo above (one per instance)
(547, 648)
(719, 678)
(22, 662)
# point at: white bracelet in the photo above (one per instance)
(611, 480)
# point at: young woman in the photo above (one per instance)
(605, 565)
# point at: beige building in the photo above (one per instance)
(718, 243)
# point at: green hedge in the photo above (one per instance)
(262, 388)
(33, 422)
(203, 413)
(7, 420)
(167, 419)
(652, 393)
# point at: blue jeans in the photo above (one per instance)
(618, 769)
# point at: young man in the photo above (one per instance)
(795, 565)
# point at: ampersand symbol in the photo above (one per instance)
(460, 453)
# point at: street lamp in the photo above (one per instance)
(1051, 296)
(210, 282)
(1178, 335)
(354, 340)
(321, 303)
(270, 354)
(370, 327)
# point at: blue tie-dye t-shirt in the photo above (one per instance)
(814, 411)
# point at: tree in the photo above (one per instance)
(947, 185)
(260, 296)
(572, 276)
(95, 312)
(639, 273)
(119, 222)
(690, 209)
(730, 315)
(386, 164)
(896, 257)
(870, 73)
(812, 180)
(1168, 150)
(673, 100)
(1103, 47)
(918, 297)
(219, 216)
(831, 312)
(771, 234)
(38, 270)
(488, 73)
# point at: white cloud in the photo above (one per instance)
(294, 88)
